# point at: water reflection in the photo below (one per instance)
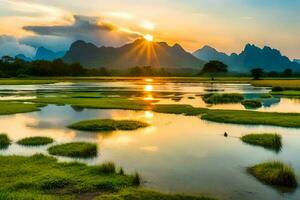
(176, 153)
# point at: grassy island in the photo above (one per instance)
(35, 141)
(274, 173)
(267, 140)
(4, 141)
(74, 149)
(252, 104)
(7, 108)
(108, 125)
(216, 98)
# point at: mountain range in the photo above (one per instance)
(138, 53)
(43, 54)
(251, 57)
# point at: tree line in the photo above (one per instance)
(14, 67)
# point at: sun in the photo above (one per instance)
(148, 37)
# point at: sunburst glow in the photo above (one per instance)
(149, 37)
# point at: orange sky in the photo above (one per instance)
(224, 24)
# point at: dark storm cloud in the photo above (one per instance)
(90, 29)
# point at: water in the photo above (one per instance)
(175, 154)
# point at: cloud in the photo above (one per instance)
(11, 46)
(91, 29)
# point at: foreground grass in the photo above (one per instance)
(4, 141)
(217, 98)
(108, 125)
(42, 177)
(267, 140)
(74, 149)
(274, 173)
(35, 141)
(252, 104)
(7, 108)
(142, 194)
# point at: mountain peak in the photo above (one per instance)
(132, 54)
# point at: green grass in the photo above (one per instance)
(7, 108)
(253, 118)
(97, 103)
(35, 141)
(108, 125)
(107, 168)
(41, 177)
(4, 141)
(216, 98)
(25, 81)
(74, 149)
(265, 96)
(285, 84)
(274, 173)
(179, 109)
(252, 104)
(234, 116)
(143, 194)
(267, 140)
(287, 93)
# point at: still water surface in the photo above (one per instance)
(175, 154)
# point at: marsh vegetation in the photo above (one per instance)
(35, 141)
(108, 125)
(275, 173)
(4, 141)
(267, 140)
(216, 98)
(74, 149)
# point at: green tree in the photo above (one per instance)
(287, 73)
(257, 73)
(214, 67)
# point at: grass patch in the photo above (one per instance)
(42, 177)
(7, 108)
(106, 168)
(265, 96)
(179, 109)
(74, 149)
(253, 118)
(108, 125)
(252, 104)
(4, 141)
(143, 194)
(287, 93)
(267, 140)
(216, 98)
(234, 116)
(25, 81)
(97, 103)
(35, 141)
(285, 84)
(274, 173)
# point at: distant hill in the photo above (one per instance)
(45, 54)
(252, 56)
(137, 53)
(23, 57)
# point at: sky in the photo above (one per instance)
(226, 25)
